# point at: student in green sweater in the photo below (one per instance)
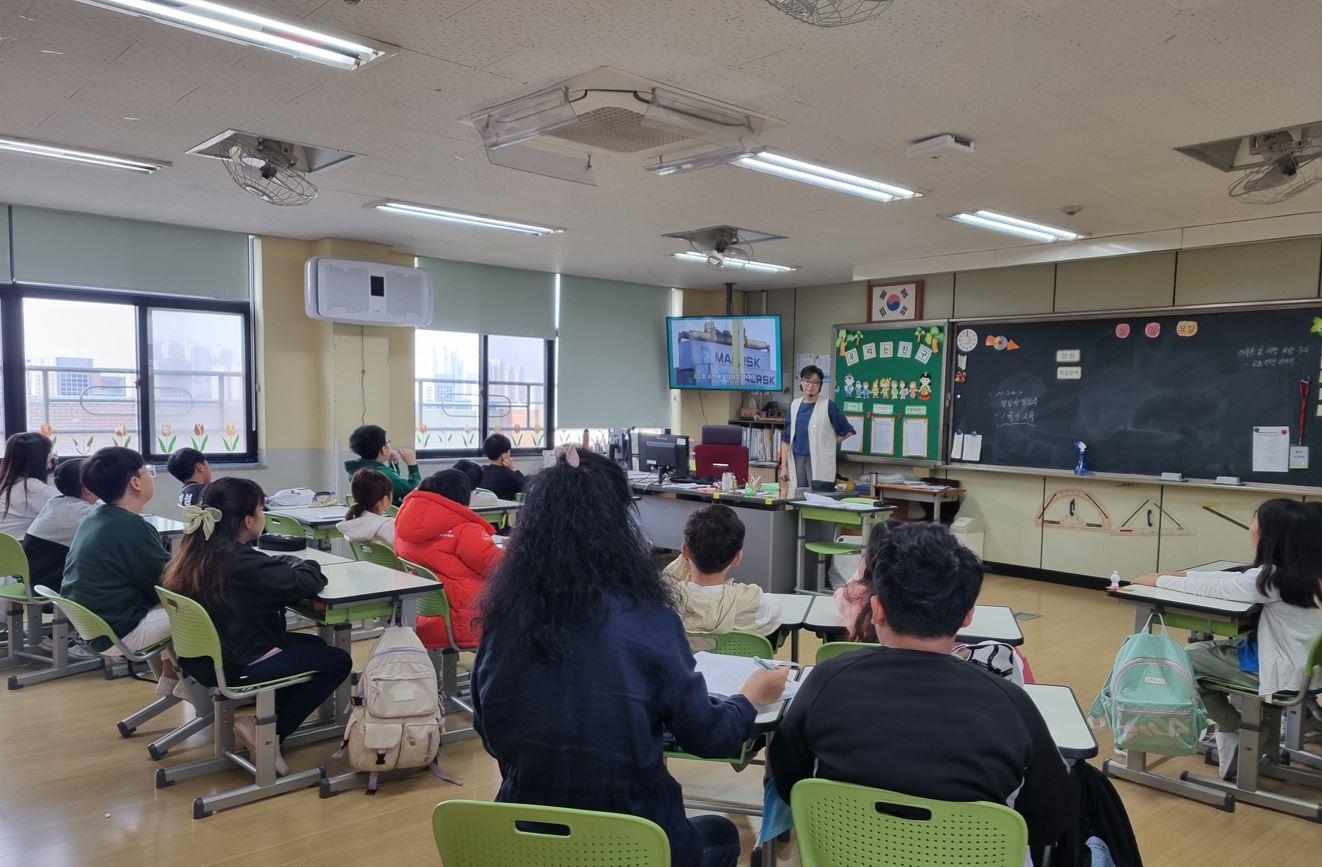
(373, 448)
(116, 558)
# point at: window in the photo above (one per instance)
(70, 347)
(91, 369)
(198, 381)
(454, 370)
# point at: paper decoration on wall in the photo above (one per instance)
(869, 350)
(914, 438)
(883, 435)
(889, 302)
(967, 340)
(905, 350)
(1317, 326)
(923, 354)
(1186, 328)
(962, 376)
(887, 350)
(1001, 343)
(925, 386)
(1152, 329)
(845, 337)
(853, 442)
(931, 338)
(1122, 330)
(1068, 356)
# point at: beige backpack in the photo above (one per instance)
(395, 721)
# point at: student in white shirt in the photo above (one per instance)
(29, 458)
(48, 539)
(1286, 580)
(708, 602)
(366, 520)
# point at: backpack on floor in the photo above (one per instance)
(1151, 700)
(395, 720)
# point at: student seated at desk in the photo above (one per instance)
(24, 492)
(499, 476)
(191, 469)
(48, 539)
(366, 519)
(908, 716)
(584, 662)
(116, 558)
(481, 496)
(374, 452)
(1286, 580)
(245, 592)
(708, 601)
(435, 528)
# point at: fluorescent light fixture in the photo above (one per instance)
(247, 28)
(733, 264)
(426, 212)
(78, 155)
(706, 160)
(805, 172)
(1014, 226)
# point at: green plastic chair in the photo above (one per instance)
(1260, 750)
(438, 605)
(284, 525)
(832, 649)
(390, 511)
(349, 501)
(376, 552)
(840, 518)
(23, 621)
(195, 637)
(733, 643)
(841, 824)
(486, 834)
(91, 627)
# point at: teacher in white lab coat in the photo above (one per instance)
(813, 429)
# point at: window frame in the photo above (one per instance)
(15, 361)
(483, 417)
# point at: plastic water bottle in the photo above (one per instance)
(1115, 580)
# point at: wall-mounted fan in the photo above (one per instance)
(269, 170)
(1289, 167)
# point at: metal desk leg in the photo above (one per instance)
(798, 553)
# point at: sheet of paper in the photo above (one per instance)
(725, 674)
(915, 438)
(822, 360)
(972, 447)
(1298, 457)
(1271, 449)
(883, 435)
(853, 442)
(957, 447)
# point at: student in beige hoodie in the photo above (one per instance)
(708, 602)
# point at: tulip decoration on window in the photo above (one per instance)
(165, 442)
(121, 437)
(231, 438)
(424, 438)
(468, 435)
(199, 431)
(49, 433)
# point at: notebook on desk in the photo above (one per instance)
(726, 674)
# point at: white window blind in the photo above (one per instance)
(487, 299)
(612, 355)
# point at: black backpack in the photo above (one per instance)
(1102, 815)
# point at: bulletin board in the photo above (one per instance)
(1205, 392)
(889, 381)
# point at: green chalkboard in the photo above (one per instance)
(889, 381)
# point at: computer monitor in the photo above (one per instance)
(621, 447)
(661, 452)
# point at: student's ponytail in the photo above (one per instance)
(199, 568)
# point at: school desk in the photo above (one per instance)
(816, 515)
(1069, 728)
(900, 491)
(990, 623)
(325, 558)
(793, 611)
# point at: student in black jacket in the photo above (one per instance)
(499, 476)
(908, 716)
(245, 591)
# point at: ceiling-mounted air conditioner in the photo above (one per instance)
(367, 293)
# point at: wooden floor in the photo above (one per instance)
(74, 792)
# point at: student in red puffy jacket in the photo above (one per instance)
(435, 528)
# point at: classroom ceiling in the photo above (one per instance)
(1068, 102)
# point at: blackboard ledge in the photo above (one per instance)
(1124, 478)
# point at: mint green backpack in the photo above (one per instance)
(1151, 700)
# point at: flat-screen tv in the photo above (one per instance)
(724, 353)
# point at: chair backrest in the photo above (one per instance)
(191, 630)
(840, 823)
(734, 643)
(348, 501)
(429, 604)
(14, 560)
(284, 525)
(376, 552)
(832, 649)
(488, 834)
(87, 622)
(391, 511)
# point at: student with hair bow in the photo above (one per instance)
(246, 591)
